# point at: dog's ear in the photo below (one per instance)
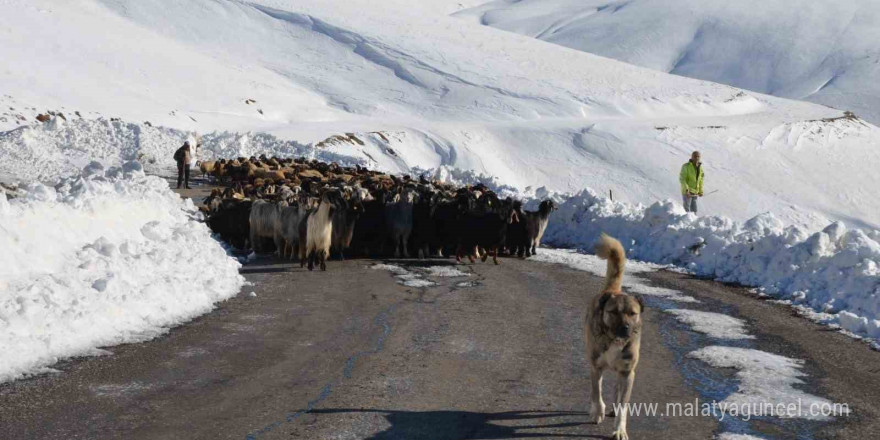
(600, 308)
(602, 301)
(641, 302)
(596, 322)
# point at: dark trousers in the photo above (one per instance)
(183, 174)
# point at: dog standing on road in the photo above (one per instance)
(613, 336)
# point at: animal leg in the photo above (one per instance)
(405, 240)
(323, 259)
(597, 406)
(495, 256)
(278, 242)
(624, 390)
(254, 241)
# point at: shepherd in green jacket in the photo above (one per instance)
(691, 179)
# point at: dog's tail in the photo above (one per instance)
(610, 249)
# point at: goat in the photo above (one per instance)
(517, 233)
(447, 215)
(207, 167)
(319, 235)
(369, 234)
(231, 222)
(400, 221)
(486, 226)
(536, 224)
(289, 229)
(424, 227)
(264, 219)
(345, 216)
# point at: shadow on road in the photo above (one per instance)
(464, 425)
(268, 269)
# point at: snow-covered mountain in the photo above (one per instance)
(826, 52)
(447, 91)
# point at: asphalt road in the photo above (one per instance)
(352, 353)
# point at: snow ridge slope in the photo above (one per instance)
(822, 52)
(459, 95)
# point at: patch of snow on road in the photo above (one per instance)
(418, 282)
(765, 379)
(445, 271)
(662, 292)
(104, 258)
(732, 436)
(716, 325)
(587, 262)
(403, 276)
(596, 266)
(393, 268)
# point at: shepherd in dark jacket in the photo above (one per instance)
(183, 157)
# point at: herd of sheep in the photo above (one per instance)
(308, 209)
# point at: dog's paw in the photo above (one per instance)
(620, 434)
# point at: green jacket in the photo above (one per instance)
(691, 178)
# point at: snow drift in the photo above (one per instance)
(108, 257)
(835, 270)
(50, 151)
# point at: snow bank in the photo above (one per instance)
(108, 257)
(46, 152)
(836, 270)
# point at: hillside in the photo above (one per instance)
(446, 93)
(822, 52)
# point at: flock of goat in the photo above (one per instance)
(307, 209)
